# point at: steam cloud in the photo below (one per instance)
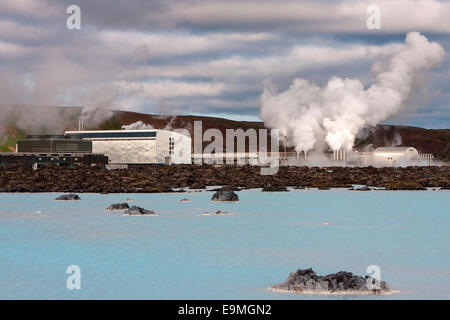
(314, 118)
(138, 125)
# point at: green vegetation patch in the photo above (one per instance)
(9, 138)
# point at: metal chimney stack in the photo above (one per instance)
(80, 124)
(339, 154)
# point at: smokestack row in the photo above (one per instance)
(339, 154)
(427, 156)
(323, 112)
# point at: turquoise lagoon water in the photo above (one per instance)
(182, 254)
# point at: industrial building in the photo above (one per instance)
(37, 160)
(382, 157)
(391, 156)
(138, 146)
(39, 150)
(378, 157)
(53, 144)
(120, 148)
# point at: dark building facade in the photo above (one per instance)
(60, 159)
(40, 150)
(53, 144)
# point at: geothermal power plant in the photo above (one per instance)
(321, 123)
(120, 148)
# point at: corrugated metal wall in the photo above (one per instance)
(54, 146)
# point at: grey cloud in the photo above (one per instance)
(302, 16)
(193, 56)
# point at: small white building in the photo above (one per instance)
(394, 155)
(139, 146)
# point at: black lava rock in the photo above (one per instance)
(341, 282)
(225, 195)
(68, 197)
(118, 206)
(149, 179)
(137, 211)
(274, 188)
(222, 212)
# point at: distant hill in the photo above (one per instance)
(432, 141)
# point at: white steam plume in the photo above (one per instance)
(138, 125)
(312, 117)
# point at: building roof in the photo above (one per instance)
(118, 134)
(99, 134)
(90, 131)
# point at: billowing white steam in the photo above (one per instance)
(138, 125)
(311, 117)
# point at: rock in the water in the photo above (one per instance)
(225, 195)
(118, 206)
(341, 282)
(185, 200)
(365, 188)
(67, 197)
(137, 211)
(223, 212)
(274, 188)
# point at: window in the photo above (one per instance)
(171, 145)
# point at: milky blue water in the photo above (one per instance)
(181, 254)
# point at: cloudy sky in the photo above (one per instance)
(208, 57)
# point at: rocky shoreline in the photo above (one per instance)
(151, 179)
